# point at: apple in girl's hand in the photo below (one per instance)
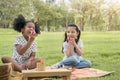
(32, 32)
(69, 37)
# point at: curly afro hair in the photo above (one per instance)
(20, 22)
(37, 28)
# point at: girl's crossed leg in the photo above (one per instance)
(17, 67)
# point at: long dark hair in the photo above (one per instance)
(78, 31)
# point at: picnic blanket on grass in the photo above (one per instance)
(75, 73)
(88, 72)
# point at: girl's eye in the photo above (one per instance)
(68, 32)
(31, 27)
(72, 31)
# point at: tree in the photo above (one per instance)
(88, 14)
(9, 9)
(112, 17)
(79, 7)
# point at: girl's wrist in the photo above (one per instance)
(71, 47)
(30, 41)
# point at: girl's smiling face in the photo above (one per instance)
(71, 32)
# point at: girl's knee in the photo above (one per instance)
(84, 64)
(5, 59)
(73, 59)
(89, 64)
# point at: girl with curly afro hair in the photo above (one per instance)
(24, 46)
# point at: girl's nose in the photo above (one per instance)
(31, 28)
(70, 33)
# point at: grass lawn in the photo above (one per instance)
(101, 48)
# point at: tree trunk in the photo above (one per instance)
(48, 25)
(110, 21)
(82, 23)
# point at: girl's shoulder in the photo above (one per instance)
(80, 43)
(20, 38)
(65, 43)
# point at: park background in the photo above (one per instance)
(97, 19)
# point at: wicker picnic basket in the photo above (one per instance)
(5, 71)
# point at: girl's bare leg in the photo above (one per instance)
(33, 63)
(15, 66)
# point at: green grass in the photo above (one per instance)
(101, 48)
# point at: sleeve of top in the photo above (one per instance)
(80, 44)
(65, 46)
(18, 41)
(34, 47)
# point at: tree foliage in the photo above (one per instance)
(88, 14)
